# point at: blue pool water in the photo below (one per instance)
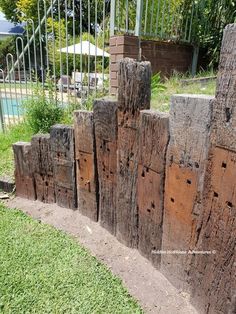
(11, 106)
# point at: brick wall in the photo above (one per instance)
(164, 57)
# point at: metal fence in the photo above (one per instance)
(63, 55)
(159, 19)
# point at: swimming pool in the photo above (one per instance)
(11, 106)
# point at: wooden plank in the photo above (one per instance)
(43, 168)
(214, 276)
(63, 155)
(190, 117)
(105, 121)
(24, 179)
(133, 96)
(86, 169)
(154, 129)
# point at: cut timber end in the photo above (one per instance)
(134, 80)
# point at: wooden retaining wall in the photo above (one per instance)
(164, 184)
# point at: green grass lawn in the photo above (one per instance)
(161, 100)
(44, 271)
(20, 132)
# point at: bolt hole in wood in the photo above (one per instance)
(216, 194)
(189, 182)
(143, 174)
(224, 165)
(172, 199)
(228, 114)
(229, 204)
(148, 210)
(196, 164)
(153, 205)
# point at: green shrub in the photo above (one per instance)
(42, 111)
(156, 85)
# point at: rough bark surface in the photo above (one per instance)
(24, 179)
(105, 121)
(133, 96)
(190, 117)
(85, 154)
(154, 136)
(43, 168)
(62, 146)
(214, 277)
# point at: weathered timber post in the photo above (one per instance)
(154, 136)
(62, 146)
(43, 168)
(105, 121)
(85, 154)
(213, 277)
(24, 178)
(133, 96)
(187, 153)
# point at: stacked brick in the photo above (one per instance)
(121, 47)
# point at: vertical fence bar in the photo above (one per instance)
(60, 46)
(6, 99)
(9, 74)
(103, 46)
(127, 16)
(96, 43)
(2, 116)
(89, 46)
(40, 45)
(138, 21)
(146, 15)
(163, 18)
(157, 19)
(152, 13)
(112, 17)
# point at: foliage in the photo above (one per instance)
(210, 19)
(46, 271)
(7, 45)
(15, 133)
(156, 85)
(161, 100)
(43, 110)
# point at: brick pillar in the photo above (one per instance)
(121, 47)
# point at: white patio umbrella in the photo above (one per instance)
(85, 48)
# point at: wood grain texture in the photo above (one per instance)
(133, 96)
(62, 147)
(86, 164)
(105, 121)
(214, 277)
(43, 168)
(154, 136)
(186, 161)
(24, 178)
